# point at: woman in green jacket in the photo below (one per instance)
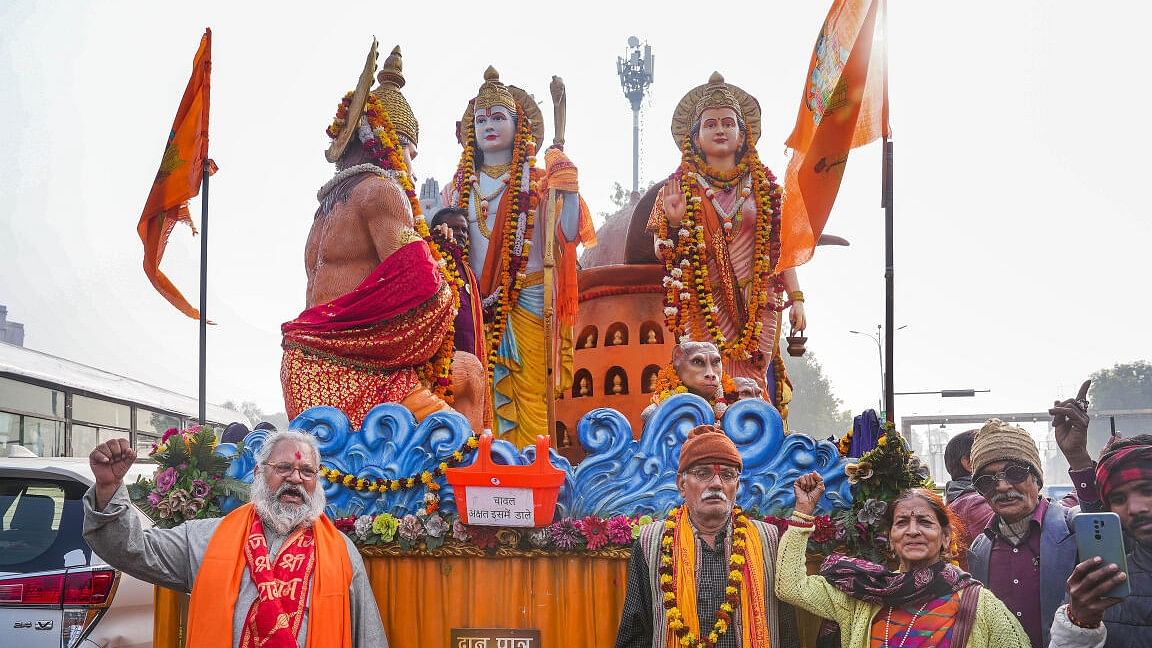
(928, 602)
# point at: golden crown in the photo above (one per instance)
(718, 95)
(391, 79)
(494, 93)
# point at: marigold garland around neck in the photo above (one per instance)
(667, 384)
(678, 581)
(518, 216)
(689, 304)
(384, 148)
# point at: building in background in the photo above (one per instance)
(10, 332)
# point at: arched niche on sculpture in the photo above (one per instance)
(617, 334)
(651, 333)
(648, 379)
(587, 337)
(616, 382)
(563, 440)
(582, 384)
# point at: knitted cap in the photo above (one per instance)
(708, 444)
(1000, 441)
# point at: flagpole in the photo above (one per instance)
(204, 292)
(889, 293)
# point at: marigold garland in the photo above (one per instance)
(380, 485)
(519, 217)
(667, 384)
(385, 151)
(689, 305)
(740, 529)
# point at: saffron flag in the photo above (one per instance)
(844, 105)
(179, 177)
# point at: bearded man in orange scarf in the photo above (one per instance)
(706, 572)
(273, 573)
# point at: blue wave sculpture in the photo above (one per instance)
(619, 475)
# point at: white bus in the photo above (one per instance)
(59, 408)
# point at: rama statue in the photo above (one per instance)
(716, 227)
(382, 296)
(505, 197)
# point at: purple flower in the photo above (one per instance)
(435, 525)
(565, 535)
(153, 498)
(411, 528)
(620, 530)
(200, 488)
(165, 480)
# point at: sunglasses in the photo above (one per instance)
(986, 484)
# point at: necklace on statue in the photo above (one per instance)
(485, 200)
(496, 170)
(729, 218)
(907, 630)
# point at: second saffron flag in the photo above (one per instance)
(178, 179)
(844, 105)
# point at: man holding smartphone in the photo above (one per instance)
(1091, 619)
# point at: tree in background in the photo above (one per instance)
(1125, 386)
(255, 414)
(814, 409)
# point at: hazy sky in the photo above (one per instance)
(1021, 150)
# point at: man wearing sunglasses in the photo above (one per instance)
(693, 555)
(274, 572)
(1028, 550)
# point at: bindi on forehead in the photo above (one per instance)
(298, 455)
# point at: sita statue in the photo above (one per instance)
(382, 296)
(506, 197)
(716, 225)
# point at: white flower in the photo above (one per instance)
(685, 338)
(670, 310)
(720, 408)
(714, 308)
(684, 233)
(685, 296)
(678, 284)
(685, 263)
(697, 199)
(667, 281)
(677, 272)
(363, 526)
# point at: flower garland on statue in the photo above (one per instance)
(380, 485)
(728, 608)
(689, 305)
(667, 384)
(519, 214)
(385, 150)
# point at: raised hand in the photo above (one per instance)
(674, 207)
(110, 462)
(1070, 423)
(808, 489)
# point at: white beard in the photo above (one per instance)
(284, 518)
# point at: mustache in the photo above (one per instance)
(1140, 520)
(289, 489)
(1006, 497)
(713, 494)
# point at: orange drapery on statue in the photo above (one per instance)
(178, 179)
(844, 105)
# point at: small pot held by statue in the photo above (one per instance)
(796, 345)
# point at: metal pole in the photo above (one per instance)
(889, 276)
(204, 296)
(636, 148)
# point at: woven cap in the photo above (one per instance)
(708, 444)
(1000, 441)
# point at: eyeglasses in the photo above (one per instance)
(986, 484)
(705, 474)
(307, 473)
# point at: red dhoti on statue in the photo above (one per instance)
(367, 346)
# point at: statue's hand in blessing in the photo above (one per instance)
(808, 490)
(1070, 423)
(674, 207)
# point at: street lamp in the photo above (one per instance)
(637, 71)
(880, 352)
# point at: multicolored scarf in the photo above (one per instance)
(874, 583)
(274, 619)
(1128, 464)
(933, 626)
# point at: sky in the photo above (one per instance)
(1021, 148)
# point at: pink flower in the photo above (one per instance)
(200, 488)
(165, 480)
(153, 498)
(620, 530)
(168, 434)
(594, 530)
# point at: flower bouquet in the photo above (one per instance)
(189, 481)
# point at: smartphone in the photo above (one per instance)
(1099, 534)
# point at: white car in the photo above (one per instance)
(53, 591)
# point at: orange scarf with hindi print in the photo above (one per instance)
(213, 600)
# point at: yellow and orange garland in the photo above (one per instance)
(385, 151)
(667, 384)
(740, 528)
(689, 305)
(519, 206)
(379, 485)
